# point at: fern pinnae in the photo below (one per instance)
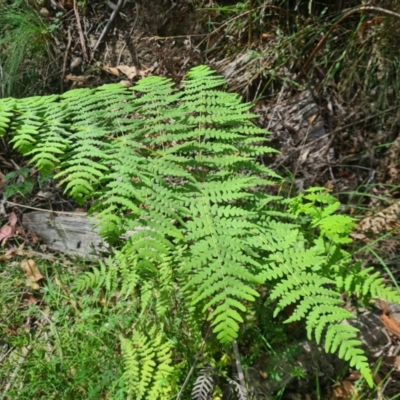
(81, 173)
(301, 282)
(129, 355)
(129, 278)
(335, 334)
(53, 140)
(146, 294)
(318, 316)
(146, 355)
(238, 389)
(307, 303)
(7, 107)
(27, 122)
(96, 278)
(322, 316)
(204, 385)
(52, 143)
(332, 315)
(166, 289)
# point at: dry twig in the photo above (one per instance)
(65, 59)
(82, 39)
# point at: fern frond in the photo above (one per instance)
(364, 282)
(131, 361)
(148, 362)
(129, 276)
(7, 107)
(28, 122)
(147, 292)
(204, 385)
(166, 290)
(176, 170)
(238, 389)
(104, 275)
(162, 386)
(296, 286)
(344, 337)
(85, 166)
(220, 276)
(53, 140)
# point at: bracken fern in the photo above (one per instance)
(176, 172)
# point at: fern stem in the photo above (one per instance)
(239, 365)
(196, 360)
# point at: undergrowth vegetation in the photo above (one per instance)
(273, 44)
(175, 170)
(25, 46)
(56, 344)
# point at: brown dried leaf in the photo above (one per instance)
(384, 221)
(76, 62)
(392, 362)
(11, 253)
(32, 285)
(76, 78)
(312, 118)
(130, 72)
(45, 12)
(368, 24)
(329, 185)
(354, 376)
(391, 324)
(358, 236)
(111, 70)
(6, 232)
(345, 390)
(31, 270)
(267, 35)
(29, 299)
(263, 374)
(12, 219)
(390, 318)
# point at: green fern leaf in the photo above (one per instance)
(7, 107)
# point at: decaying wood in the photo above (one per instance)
(298, 132)
(297, 116)
(73, 234)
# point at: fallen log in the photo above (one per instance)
(74, 234)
